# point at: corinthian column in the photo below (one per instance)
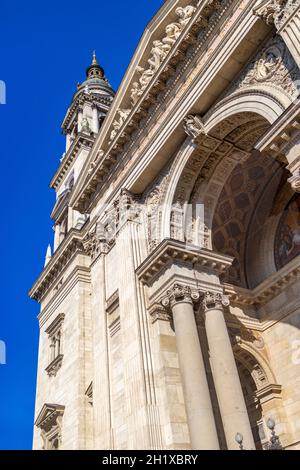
(199, 410)
(225, 374)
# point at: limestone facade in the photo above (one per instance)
(170, 309)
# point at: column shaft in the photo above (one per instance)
(199, 410)
(226, 379)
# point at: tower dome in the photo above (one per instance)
(96, 80)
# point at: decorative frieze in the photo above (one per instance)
(160, 50)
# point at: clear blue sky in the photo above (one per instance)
(45, 49)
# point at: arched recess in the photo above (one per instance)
(198, 176)
(262, 393)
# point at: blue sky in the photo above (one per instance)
(44, 51)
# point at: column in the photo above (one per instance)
(102, 425)
(225, 374)
(95, 120)
(289, 29)
(199, 410)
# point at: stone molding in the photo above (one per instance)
(214, 300)
(172, 251)
(283, 133)
(55, 325)
(268, 289)
(280, 140)
(49, 415)
(112, 303)
(54, 365)
(71, 246)
(180, 294)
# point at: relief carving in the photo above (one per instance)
(160, 50)
(273, 65)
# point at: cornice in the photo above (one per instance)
(56, 324)
(70, 246)
(126, 136)
(282, 134)
(81, 140)
(268, 289)
(172, 251)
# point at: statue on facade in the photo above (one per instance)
(85, 126)
(159, 52)
(185, 14)
(193, 126)
(173, 32)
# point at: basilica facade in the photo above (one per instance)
(170, 307)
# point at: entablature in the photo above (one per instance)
(268, 289)
(71, 246)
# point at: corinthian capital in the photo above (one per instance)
(178, 294)
(213, 300)
(276, 11)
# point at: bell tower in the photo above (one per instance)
(81, 125)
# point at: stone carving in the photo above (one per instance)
(118, 123)
(85, 126)
(179, 293)
(160, 50)
(185, 14)
(273, 65)
(295, 181)
(276, 11)
(193, 126)
(95, 162)
(159, 312)
(94, 242)
(215, 300)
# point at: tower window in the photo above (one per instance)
(54, 332)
